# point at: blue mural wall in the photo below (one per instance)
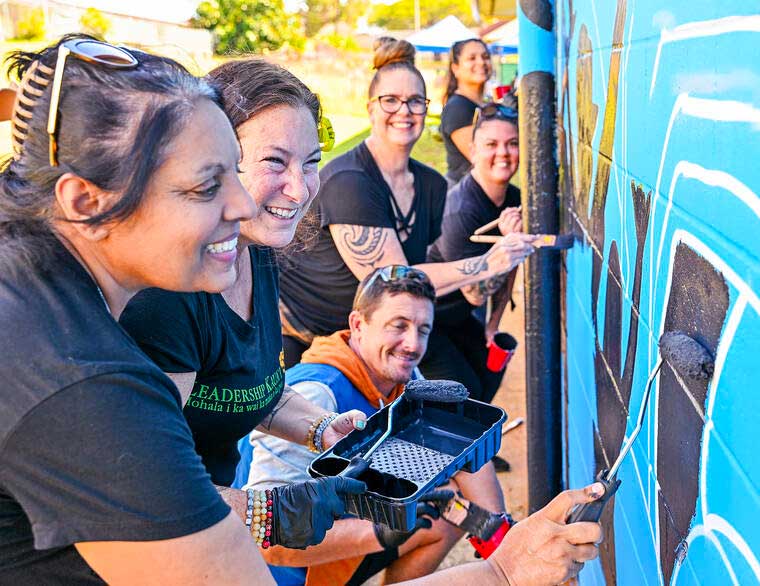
(659, 140)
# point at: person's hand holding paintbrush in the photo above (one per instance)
(510, 220)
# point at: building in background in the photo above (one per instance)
(163, 25)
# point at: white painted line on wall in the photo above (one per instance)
(704, 28)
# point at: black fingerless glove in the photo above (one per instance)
(428, 508)
(302, 513)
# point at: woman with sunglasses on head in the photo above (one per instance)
(457, 348)
(469, 70)
(378, 206)
(99, 477)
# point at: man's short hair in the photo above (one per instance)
(393, 279)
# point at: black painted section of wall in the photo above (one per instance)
(697, 305)
(539, 12)
(613, 388)
(543, 376)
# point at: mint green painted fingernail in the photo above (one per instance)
(361, 424)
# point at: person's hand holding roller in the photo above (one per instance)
(302, 513)
(543, 550)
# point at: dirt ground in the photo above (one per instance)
(511, 398)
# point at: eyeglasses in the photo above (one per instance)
(393, 273)
(325, 132)
(494, 111)
(392, 104)
(91, 52)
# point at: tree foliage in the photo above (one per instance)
(93, 22)
(32, 26)
(318, 13)
(248, 26)
(400, 15)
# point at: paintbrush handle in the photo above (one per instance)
(485, 239)
(486, 227)
(551, 241)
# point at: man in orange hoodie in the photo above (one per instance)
(364, 368)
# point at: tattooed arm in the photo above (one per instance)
(365, 248)
(479, 292)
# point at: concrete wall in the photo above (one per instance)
(659, 136)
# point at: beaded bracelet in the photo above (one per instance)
(258, 516)
(321, 429)
(310, 435)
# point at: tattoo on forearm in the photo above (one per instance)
(366, 244)
(474, 266)
(490, 286)
(287, 395)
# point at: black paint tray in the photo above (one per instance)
(430, 442)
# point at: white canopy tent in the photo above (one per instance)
(504, 40)
(439, 37)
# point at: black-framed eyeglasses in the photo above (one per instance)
(89, 51)
(393, 273)
(391, 104)
(492, 111)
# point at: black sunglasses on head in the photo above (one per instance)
(493, 111)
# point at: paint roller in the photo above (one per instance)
(687, 357)
(440, 391)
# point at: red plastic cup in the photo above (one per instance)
(502, 90)
(500, 351)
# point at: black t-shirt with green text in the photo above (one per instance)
(93, 444)
(238, 364)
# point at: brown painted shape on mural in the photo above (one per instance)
(588, 113)
(697, 306)
(565, 136)
(613, 390)
(604, 160)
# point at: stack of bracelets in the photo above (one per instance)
(318, 427)
(258, 516)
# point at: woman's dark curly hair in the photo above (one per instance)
(115, 127)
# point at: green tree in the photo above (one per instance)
(95, 23)
(32, 26)
(248, 26)
(400, 15)
(318, 13)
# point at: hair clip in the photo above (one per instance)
(31, 87)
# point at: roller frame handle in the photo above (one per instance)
(356, 467)
(593, 511)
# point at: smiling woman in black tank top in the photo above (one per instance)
(378, 206)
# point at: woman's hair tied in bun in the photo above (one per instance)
(390, 50)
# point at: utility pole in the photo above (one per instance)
(539, 178)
